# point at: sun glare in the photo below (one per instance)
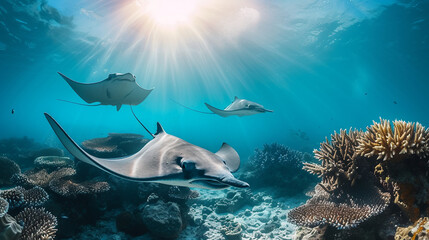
(169, 12)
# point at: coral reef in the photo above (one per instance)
(385, 142)
(68, 188)
(19, 196)
(338, 158)
(268, 167)
(9, 228)
(53, 162)
(115, 145)
(7, 170)
(418, 231)
(41, 177)
(38, 224)
(362, 173)
(341, 213)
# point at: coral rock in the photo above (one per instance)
(162, 219)
(53, 162)
(69, 188)
(129, 223)
(4, 207)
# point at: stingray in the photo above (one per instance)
(165, 159)
(239, 107)
(118, 89)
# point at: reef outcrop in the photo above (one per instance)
(364, 174)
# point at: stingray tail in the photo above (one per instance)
(190, 108)
(141, 122)
(82, 104)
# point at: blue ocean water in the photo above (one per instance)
(320, 65)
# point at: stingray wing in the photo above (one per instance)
(230, 156)
(218, 111)
(89, 92)
(142, 166)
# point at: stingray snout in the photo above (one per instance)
(234, 182)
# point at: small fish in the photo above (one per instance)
(64, 217)
(395, 102)
(13, 111)
(366, 94)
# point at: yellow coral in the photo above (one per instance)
(386, 143)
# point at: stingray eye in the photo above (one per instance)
(188, 165)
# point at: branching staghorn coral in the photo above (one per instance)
(387, 143)
(338, 158)
(68, 188)
(344, 213)
(39, 224)
(13, 196)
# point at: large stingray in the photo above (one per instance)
(165, 159)
(239, 107)
(118, 89)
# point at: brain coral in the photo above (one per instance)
(385, 142)
(338, 158)
(39, 224)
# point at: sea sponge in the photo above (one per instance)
(38, 223)
(53, 162)
(68, 188)
(4, 207)
(385, 142)
(7, 170)
(338, 158)
(342, 213)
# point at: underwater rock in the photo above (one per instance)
(38, 224)
(7, 170)
(277, 166)
(130, 223)
(231, 230)
(115, 145)
(53, 162)
(9, 228)
(305, 233)
(162, 219)
(235, 200)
